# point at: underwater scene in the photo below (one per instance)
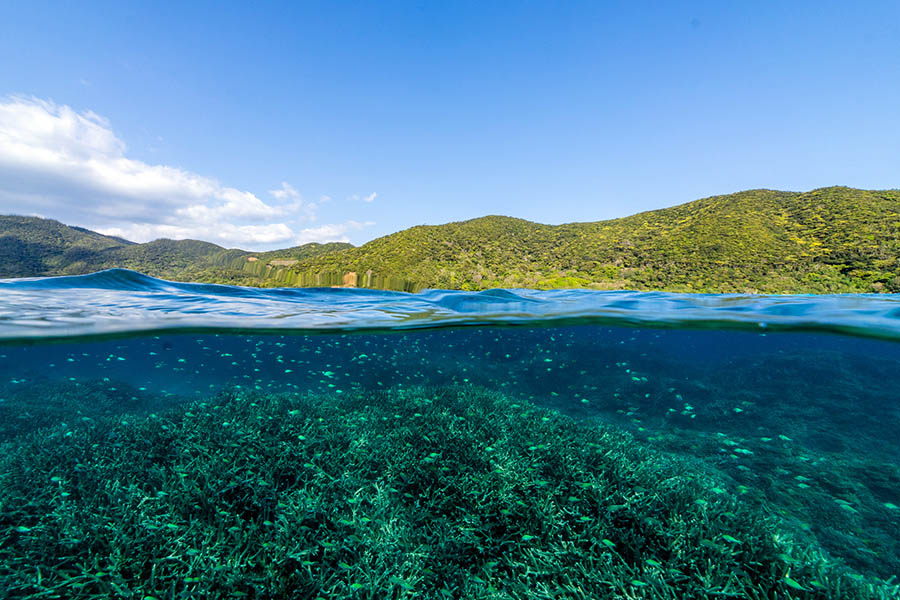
(166, 440)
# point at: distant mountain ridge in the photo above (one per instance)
(833, 239)
(35, 247)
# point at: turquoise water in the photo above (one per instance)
(187, 440)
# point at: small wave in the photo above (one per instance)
(119, 301)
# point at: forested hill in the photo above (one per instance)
(32, 247)
(827, 240)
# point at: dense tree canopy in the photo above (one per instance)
(828, 240)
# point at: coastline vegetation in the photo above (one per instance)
(830, 240)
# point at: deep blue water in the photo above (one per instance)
(794, 401)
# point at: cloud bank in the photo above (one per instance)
(68, 165)
(331, 233)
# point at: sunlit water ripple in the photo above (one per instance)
(120, 301)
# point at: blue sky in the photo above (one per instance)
(267, 124)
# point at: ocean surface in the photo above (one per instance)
(171, 440)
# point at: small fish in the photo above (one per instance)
(791, 583)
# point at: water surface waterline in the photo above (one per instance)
(121, 301)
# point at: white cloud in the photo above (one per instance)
(287, 192)
(335, 232)
(369, 198)
(223, 233)
(70, 165)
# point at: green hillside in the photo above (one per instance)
(33, 247)
(828, 240)
(30, 246)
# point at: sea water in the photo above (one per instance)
(166, 440)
